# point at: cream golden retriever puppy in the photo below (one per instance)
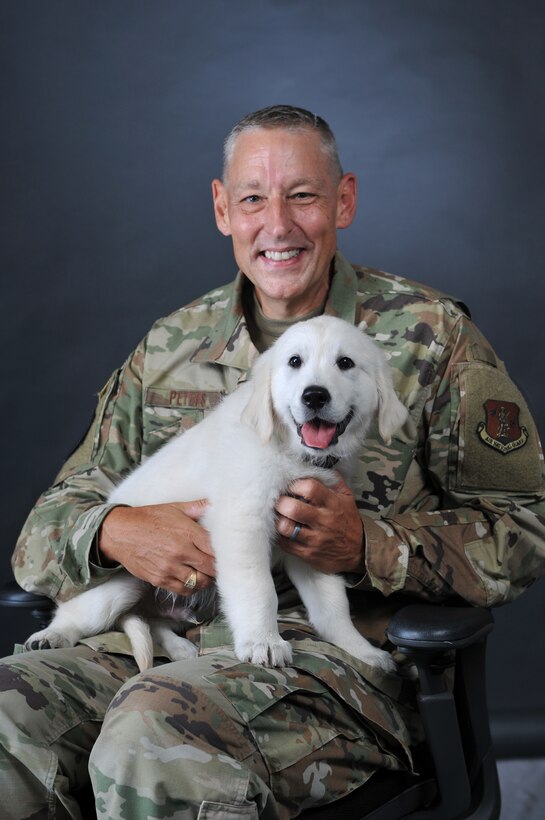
(307, 407)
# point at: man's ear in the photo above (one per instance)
(259, 413)
(221, 212)
(347, 196)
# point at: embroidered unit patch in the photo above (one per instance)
(502, 429)
(498, 447)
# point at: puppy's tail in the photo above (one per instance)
(139, 634)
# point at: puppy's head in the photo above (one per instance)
(323, 382)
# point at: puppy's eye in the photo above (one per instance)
(295, 362)
(344, 363)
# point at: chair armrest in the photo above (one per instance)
(455, 719)
(40, 607)
(438, 628)
(11, 594)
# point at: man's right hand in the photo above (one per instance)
(160, 543)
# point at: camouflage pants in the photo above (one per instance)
(207, 738)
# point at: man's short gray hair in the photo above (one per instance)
(289, 118)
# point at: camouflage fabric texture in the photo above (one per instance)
(453, 509)
(213, 738)
(52, 707)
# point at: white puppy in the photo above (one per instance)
(306, 408)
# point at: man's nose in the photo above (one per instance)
(279, 221)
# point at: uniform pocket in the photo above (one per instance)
(296, 711)
(321, 728)
(221, 811)
(87, 448)
(276, 704)
(168, 412)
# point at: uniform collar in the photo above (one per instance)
(229, 343)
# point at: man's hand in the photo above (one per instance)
(160, 543)
(331, 534)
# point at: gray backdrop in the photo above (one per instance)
(112, 119)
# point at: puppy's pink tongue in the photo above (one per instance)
(318, 434)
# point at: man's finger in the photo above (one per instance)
(291, 530)
(298, 511)
(193, 509)
(309, 490)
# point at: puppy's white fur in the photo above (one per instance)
(242, 457)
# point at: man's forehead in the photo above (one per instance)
(287, 183)
(297, 154)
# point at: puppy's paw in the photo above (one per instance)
(48, 639)
(378, 658)
(274, 651)
(181, 649)
(360, 648)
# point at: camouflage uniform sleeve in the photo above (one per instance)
(484, 539)
(54, 553)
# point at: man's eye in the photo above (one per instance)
(303, 195)
(344, 363)
(252, 199)
(295, 362)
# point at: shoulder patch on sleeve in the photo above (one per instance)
(85, 449)
(498, 447)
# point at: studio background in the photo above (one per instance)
(112, 120)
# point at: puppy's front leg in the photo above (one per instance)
(247, 592)
(325, 599)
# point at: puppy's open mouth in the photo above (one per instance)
(320, 434)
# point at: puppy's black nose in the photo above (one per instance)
(315, 396)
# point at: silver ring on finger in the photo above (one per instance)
(295, 534)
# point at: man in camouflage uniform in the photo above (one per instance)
(453, 509)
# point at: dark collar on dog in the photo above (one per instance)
(328, 462)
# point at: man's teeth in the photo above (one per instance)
(280, 256)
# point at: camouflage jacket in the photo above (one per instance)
(452, 509)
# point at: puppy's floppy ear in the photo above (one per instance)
(258, 413)
(392, 414)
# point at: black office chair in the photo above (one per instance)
(457, 771)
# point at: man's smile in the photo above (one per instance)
(281, 256)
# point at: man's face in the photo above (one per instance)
(282, 204)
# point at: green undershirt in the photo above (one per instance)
(264, 331)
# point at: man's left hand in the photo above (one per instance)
(330, 537)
